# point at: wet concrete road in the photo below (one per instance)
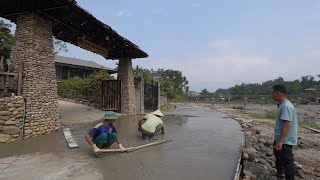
(205, 146)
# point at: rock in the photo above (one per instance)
(28, 131)
(252, 157)
(10, 105)
(318, 174)
(251, 176)
(1, 128)
(257, 169)
(299, 173)
(3, 108)
(269, 152)
(5, 113)
(245, 156)
(11, 130)
(262, 141)
(258, 131)
(15, 136)
(244, 126)
(269, 143)
(254, 140)
(262, 161)
(246, 178)
(261, 146)
(15, 112)
(2, 122)
(4, 138)
(8, 123)
(12, 109)
(317, 169)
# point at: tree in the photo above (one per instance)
(205, 93)
(6, 40)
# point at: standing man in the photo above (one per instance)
(285, 134)
(104, 134)
(151, 124)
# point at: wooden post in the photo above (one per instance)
(317, 101)
(19, 93)
(245, 101)
(212, 102)
(298, 103)
(229, 101)
(262, 101)
(1, 64)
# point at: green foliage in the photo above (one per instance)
(271, 114)
(6, 40)
(88, 89)
(295, 87)
(172, 82)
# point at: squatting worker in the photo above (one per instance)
(151, 124)
(104, 134)
(285, 134)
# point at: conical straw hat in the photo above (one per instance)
(158, 113)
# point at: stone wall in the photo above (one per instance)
(11, 118)
(125, 74)
(34, 47)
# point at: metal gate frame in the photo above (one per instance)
(111, 95)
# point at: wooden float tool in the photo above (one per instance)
(70, 140)
(130, 149)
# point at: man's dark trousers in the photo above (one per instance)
(285, 161)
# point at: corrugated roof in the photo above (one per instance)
(79, 62)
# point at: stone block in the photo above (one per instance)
(4, 138)
(28, 131)
(15, 136)
(2, 122)
(11, 109)
(8, 123)
(5, 113)
(11, 130)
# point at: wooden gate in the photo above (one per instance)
(151, 92)
(111, 95)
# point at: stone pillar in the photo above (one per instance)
(125, 74)
(34, 47)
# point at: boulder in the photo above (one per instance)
(245, 156)
(257, 169)
(4, 138)
(250, 175)
(12, 130)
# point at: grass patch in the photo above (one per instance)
(271, 114)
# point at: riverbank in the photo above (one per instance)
(258, 161)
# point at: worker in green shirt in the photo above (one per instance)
(151, 124)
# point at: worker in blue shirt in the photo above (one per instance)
(104, 134)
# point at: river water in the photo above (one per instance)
(205, 145)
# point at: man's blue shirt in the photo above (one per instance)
(287, 112)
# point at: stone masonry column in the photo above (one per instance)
(34, 47)
(125, 74)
